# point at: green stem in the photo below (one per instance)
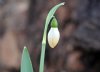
(49, 17)
(42, 58)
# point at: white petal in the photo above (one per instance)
(53, 37)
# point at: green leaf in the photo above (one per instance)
(26, 65)
(51, 12)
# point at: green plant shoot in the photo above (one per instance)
(49, 17)
(26, 65)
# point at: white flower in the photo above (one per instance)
(53, 37)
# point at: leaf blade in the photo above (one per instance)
(26, 65)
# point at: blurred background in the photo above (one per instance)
(22, 23)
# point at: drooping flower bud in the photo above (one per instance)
(53, 35)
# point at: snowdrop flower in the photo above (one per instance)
(53, 35)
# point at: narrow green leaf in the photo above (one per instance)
(51, 12)
(26, 65)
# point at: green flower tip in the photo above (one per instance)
(54, 23)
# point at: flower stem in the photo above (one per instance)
(49, 17)
(42, 58)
